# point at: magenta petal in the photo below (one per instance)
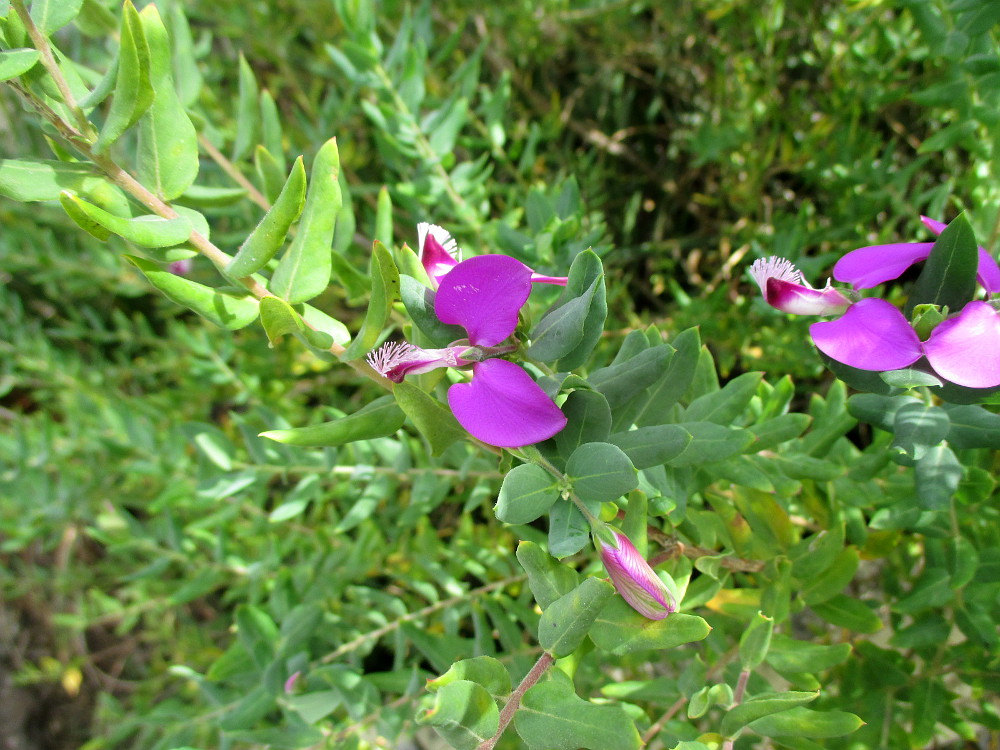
(797, 299)
(484, 295)
(439, 253)
(503, 406)
(870, 266)
(933, 224)
(966, 349)
(871, 335)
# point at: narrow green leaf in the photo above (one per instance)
(270, 172)
(583, 272)
(463, 713)
(664, 394)
(971, 426)
(380, 418)
(385, 291)
(45, 180)
(527, 492)
(548, 578)
(14, 62)
(566, 621)
(383, 217)
(651, 446)
(187, 75)
(269, 235)
(145, 231)
(804, 722)
(270, 127)
(845, 612)
(304, 270)
(134, 91)
(711, 442)
(222, 309)
(569, 530)
(756, 641)
(760, 706)
(311, 707)
(621, 630)
(917, 428)
(167, 152)
(434, 421)
(726, 405)
(622, 382)
(561, 330)
(948, 278)
(83, 220)
(834, 579)
(553, 717)
(792, 656)
(247, 112)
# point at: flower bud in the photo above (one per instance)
(635, 580)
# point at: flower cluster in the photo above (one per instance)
(871, 334)
(502, 405)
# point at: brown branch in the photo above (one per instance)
(545, 661)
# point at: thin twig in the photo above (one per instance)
(234, 174)
(545, 661)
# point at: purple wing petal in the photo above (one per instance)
(871, 335)
(870, 266)
(966, 349)
(802, 300)
(439, 253)
(933, 224)
(484, 295)
(503, 406)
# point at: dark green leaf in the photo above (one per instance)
(588, 421)
(483, 670)
(601, 472)
(852, 614)
(569, 530)
(548, 578)
(14, 62)
(725, 405)
(804, 722)
(134, 91)
(145, 231)
(711, 442)
(463, 713)
(948, 278)
(434, 421)
(562, 329)
(385, 291)
(52, 15)
(938, 473)
(621, 630)
(917, 428)
(760, 706)
(279, 319)
(651, 446)
(553, 717)
(527, 492)
(419, 303)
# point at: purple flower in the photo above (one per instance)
(785, 289)
(440, 253)
(501, 405)
(870, 266)
(181, 267)
(635, 580)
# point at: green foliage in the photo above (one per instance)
(247, 540)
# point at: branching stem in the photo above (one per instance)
(545, 661)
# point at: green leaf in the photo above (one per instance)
(664, 394)
(45, 180)
(569, 530)
(938, 473)
(222, 309)
(804, 722)
(419, 303)
(434, 421)
(14, 62)
(878, 410)
(654, 445)
(383, 217)
(971, 426)
(834, 579)
(167, 151)
(380, 418)
(588, 420)
(51, 15)
(711, 442)
(247, 112)
(82, 220)
(463, 713)
(852, 614)
(279, 319)
(323, 323)
(910, 378)
(527, 492)
(548, 578)
(562, 329)
(917, 428)
(755, 641)
(791, 656)
(385, 291)
(245, 713)
(585, 270)
(948, 278)
(145, 231)
(621, 630)
(760, 706)
(270, 171)
(134, 91)
(312, 707)
(553, 717)
(304, 269)
(269, 235)
(566, 621)
(601, 472)
(483, 670)
(726, 405)
(622, 382)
